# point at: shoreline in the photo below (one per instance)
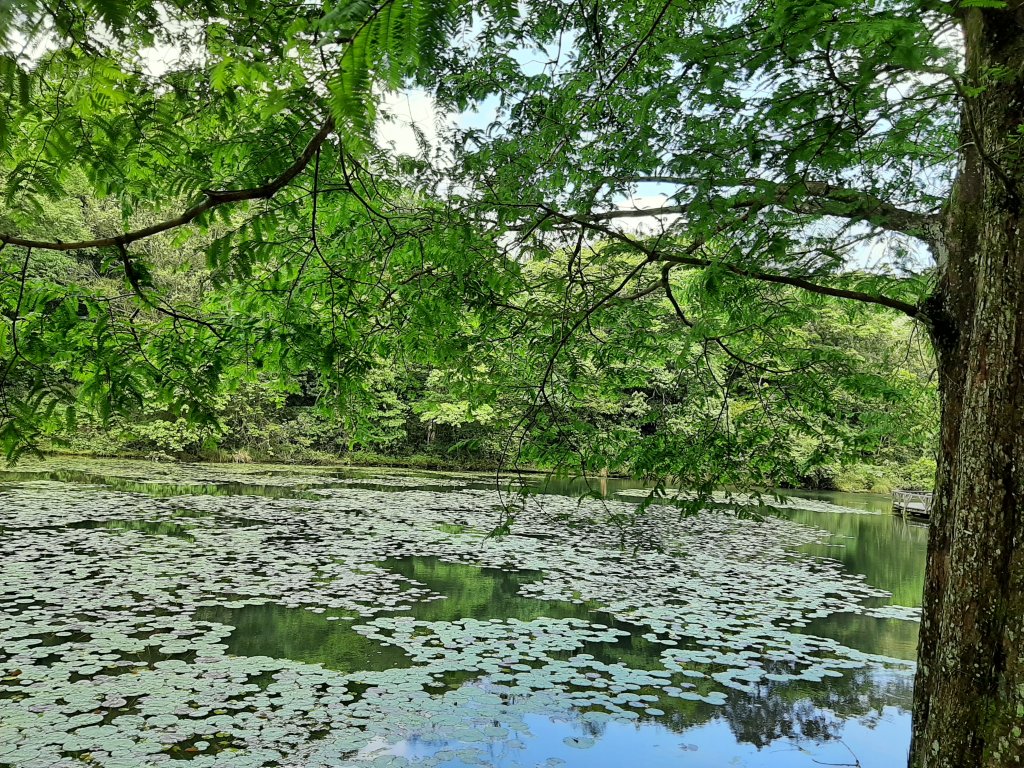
(414, 462)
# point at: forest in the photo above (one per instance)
(712, 250)
(845, 394)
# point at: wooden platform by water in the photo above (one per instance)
(912, 503)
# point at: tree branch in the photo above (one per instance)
(214, 199)
(802, 197)
(800, 282)
(690, 260)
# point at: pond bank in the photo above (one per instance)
(854, 478)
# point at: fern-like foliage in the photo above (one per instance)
(227, 103)
(383, 43)
(120, 113)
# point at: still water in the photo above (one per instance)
(255, 616)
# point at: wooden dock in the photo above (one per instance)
(912, 503)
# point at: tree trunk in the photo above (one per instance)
(969, 694)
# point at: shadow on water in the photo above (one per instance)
(142, 526)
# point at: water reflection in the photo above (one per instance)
(141, 526)
(775, 724)
(862, 716)
(295, 633)
(467, 592)
(471, 592)
(895, 638)
(571, 743)
(888, 550)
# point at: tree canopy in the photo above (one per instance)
(251, 137)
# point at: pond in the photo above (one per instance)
(252, 616)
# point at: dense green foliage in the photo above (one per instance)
(378, 304)
(797, 388)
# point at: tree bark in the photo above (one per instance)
(969, 694)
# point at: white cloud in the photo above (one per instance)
(646, 225)
(400, 112)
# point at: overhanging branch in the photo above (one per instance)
(802, 197)
(800, 282)
(214, 199)
(689, 260)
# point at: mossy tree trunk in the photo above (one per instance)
(969, 696)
